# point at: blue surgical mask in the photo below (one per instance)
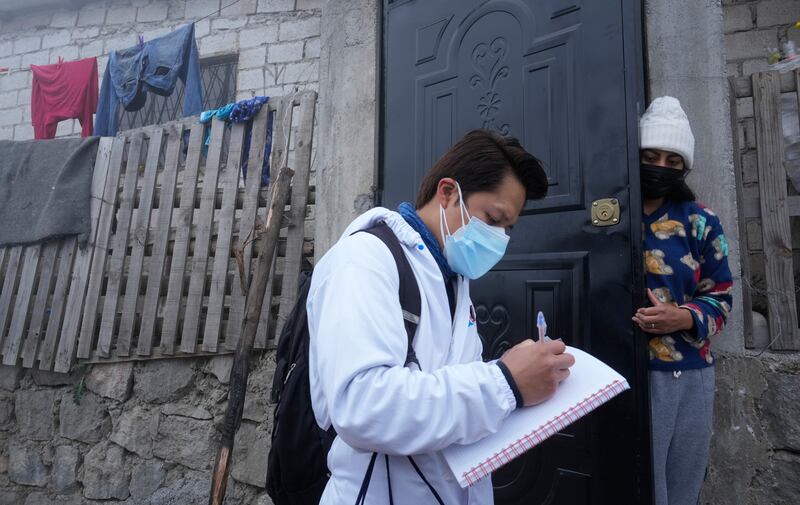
(475, 247)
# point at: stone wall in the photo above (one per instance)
(143, 433)
(134, 434)
(755, 454)
(277, 42)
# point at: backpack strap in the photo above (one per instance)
(410, 300)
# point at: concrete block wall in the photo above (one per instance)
(278, 43)
(753, 27)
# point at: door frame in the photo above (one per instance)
(633, 24)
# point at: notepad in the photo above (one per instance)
(591, 383)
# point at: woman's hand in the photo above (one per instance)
(663, 318)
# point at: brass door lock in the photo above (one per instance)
(605, 212)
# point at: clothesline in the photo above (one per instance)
(8, 71)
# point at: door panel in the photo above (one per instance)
(553, 74)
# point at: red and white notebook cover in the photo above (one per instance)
(591, 383)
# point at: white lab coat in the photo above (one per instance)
(360, 385)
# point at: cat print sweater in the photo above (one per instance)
(686, 261)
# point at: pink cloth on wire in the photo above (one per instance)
(63, 90)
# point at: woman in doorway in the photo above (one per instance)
(689, 290)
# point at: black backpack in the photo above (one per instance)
(297, 469)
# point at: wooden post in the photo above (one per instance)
(267, 246)
(774, 217)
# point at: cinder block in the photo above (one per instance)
(88, 32)
(64, 19)
(240, 8)
(750, 67)
(8, 99)
(253, 37)
(7, 133)
(6, 48)
(153, 12)
(10, 117)
(777, 12)
(37, 58)
(91, 16)
(299, 29)
(288, 51)
(218, 44)
(299, 72)
(737, 18)
(16, 80)
(250, 79)
(275, 5)
(27, 44)
(252, 58)
(303, 5)
(56, 39)
(312, 48)
(23, 132)
(91, 49)
(121, 15)
(232, 23)
(744, 107)
(750, 44)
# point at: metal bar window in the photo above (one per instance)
(219, 88)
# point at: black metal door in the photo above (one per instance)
(552, 73)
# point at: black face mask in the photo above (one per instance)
(659, 182)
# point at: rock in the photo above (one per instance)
(86, 421)
(164, 380)
(220, 367)
(255, 407)
(188, 490)
(787, 467)
(250, 455)
(64, 474)
(135, 430)
(781, 410)
(46, 378)
(111, 380)
(9, 498)
(104, 473)
(145, 479)
(34, 413)
(10, 377)
(25, 466)
(264, 499)
(6, 410)
(177, 409)
(190, 442)
(38, 499)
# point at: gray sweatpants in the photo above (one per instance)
(682, 410)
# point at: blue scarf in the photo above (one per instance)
(412, 218)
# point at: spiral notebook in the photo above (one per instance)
(591, 383)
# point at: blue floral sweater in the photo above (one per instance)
(686, 260)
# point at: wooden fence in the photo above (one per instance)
(173, 227)
(768, 203)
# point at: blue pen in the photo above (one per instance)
(541, 324)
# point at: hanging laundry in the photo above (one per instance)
(241, 112)
(63, 90)
(154, 66)
(45, 189)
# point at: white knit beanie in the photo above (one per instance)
(665, 126)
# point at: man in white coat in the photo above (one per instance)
(358, 341)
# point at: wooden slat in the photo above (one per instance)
(191, 321)
(294, 243)
(138, 239)
(67, 253)
(30, 264)
(281, 127)
(743, 86)
(744, 255)
(40, 303)
(7, 295)
(258, 140)
(119, 246)
(161, 232)
(90, 263)
(180, 250)
(222, 255)
(775, 219)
